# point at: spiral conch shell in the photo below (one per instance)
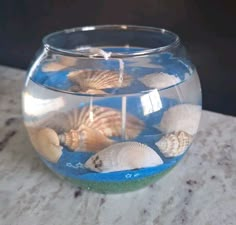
(98, 80)
(183, 117)
(90, 128)
(123, 156)
(159, 80)
(85, 138)
(46, 142)
(174, 144)
(61, 63)
(105, 120)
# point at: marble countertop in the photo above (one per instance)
(201, 190)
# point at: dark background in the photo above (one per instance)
(206, 27)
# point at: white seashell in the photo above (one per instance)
(182, 117)
(159, 80)
(98, 79)
(85, 138)
(174, 144)
(46, 142)
(123, 156)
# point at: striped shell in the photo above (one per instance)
(93, 124)
(159, 80)
(123, 156)
(84, 138)
(76, 88)
(46, 142)
(174, 144)
(105, 120)
(185, 117)
(98, 79)
(61, 63)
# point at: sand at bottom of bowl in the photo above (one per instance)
(117, 187)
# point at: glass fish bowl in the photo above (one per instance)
(111, 108)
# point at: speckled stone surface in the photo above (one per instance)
(201, 190)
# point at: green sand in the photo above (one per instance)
(117, 187)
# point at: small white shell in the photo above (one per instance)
(174, 144)
(160, 80)
(183, 117)
(46, 142)
(123, 156)
(98, 79)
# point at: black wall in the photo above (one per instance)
(207, 29)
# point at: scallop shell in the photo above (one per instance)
(159, 80)
(98, 79)
(174, 144)
(105, 120)
(93, 124)
(123, 156)
(185, 117)
(61, 63)
(46, 142)
(85, 138)
(76, 88)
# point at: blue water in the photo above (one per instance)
(71, 163)
(166, 62)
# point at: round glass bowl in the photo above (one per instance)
(112, 108)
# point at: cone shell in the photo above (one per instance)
(98, 79)
(183, 117)
(123, 156)
(85, 138)
(159, 80)
(174, 144)
(46, 142)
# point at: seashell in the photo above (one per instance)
(46, 142)
(98, 79)
(183, 117)
(61, 63)
(174, 144)
(123, 156)
(94, 126)
(85, 138)
(76, 88)
(105, 120)
(53, 67)
(159, 80)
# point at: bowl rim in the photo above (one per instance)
(83, 52)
